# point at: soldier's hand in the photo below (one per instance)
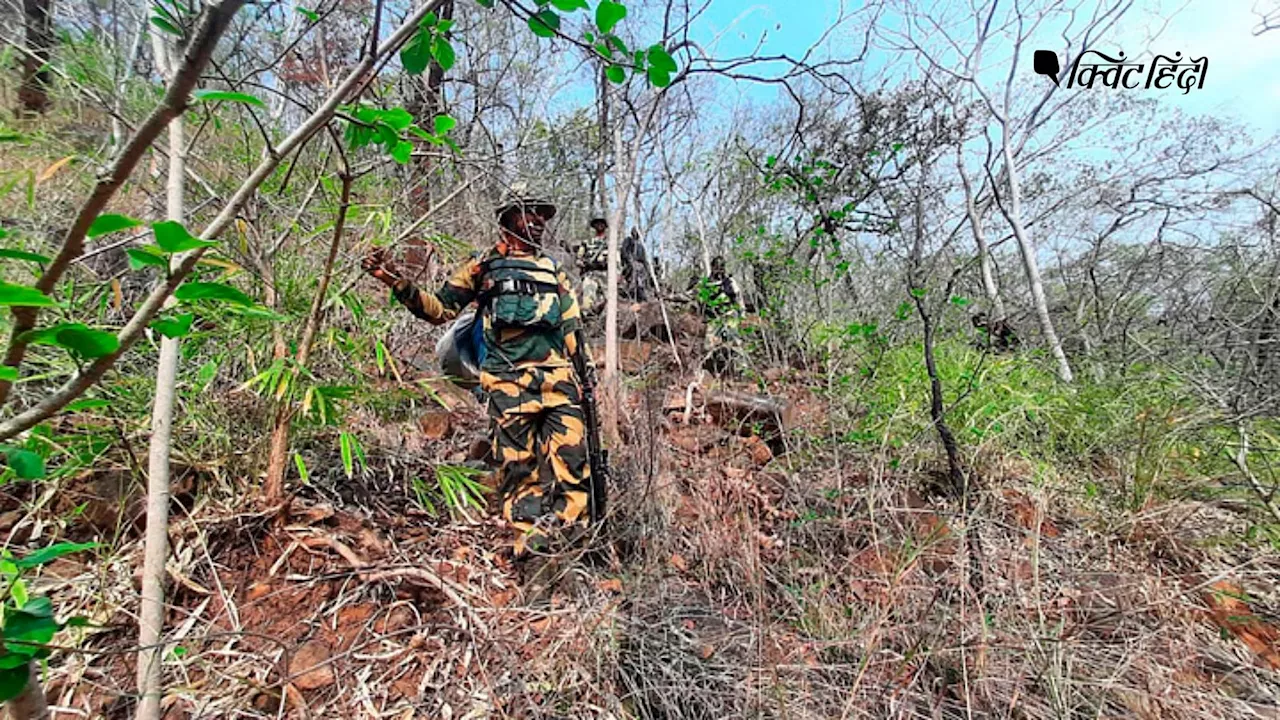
(378, 264)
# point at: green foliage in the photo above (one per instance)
(429, 44)
(545, 23)
(23, 296)
(28, 624)
(26, 464)
(227, 96)
(142, 257)
(175, 326)
(107, 224)
(609, 14)
(24, 255)
(172, 237)
(219, 292)
(81, 340)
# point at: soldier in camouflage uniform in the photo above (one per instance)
(529, 315)
(719, 299)
(591, 257)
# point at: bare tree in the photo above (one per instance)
(1014, 115)
(1268, 18)
(156, 547)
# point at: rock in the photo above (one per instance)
(759, 451)
(306, 669)
(436, 425)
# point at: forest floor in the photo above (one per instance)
(740, 577)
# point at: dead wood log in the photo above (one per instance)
(746, 410)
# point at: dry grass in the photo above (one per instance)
(735, 586)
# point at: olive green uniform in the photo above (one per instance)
(592, 259)
(530, 315)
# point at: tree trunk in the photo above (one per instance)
(610, 380)
(1031, 265)
(989, 286)
(273, 487)
(156, 554)
(30, 704)
(602, 156)
(33, 94)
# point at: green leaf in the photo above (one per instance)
(19, 592)
(172, 237)
(258, 313)
(444, 123)
(443, 53)
(416, 54)
(311, 15)
(47, 555)
(23, 296)
(165, 25)
(174, 327)
(142, 257)
(76, 337)
(24, 631)
(227, 96)
(570, 5)
(659, 77)
(105, 224)
(13, 681)
(344, 445)
(616, 74)
(87, 404)
(402, 152)
(609, 14)
(485, 3)
(303, 475)
(660, 58)
(398, 118)
(24, 255)
(918, 292)
(192, 291)
(8, 374)
(25, 464)
(545, 24)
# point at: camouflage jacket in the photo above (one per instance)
(592, 254)
(509, 349)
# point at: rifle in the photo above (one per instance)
(597, 454)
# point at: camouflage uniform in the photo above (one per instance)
(719, 298)
(592, 259)
(535, 398)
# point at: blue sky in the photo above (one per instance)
(1243, 78)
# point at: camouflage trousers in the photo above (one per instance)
(539, 438)
(594, 284)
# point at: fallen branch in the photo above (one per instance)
(369, 574)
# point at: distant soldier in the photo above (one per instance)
(719, 299)
(636, 279)
(718, 294)
(530, 316)
(591, 257)
(997, 335)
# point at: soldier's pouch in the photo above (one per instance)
(522, 296)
